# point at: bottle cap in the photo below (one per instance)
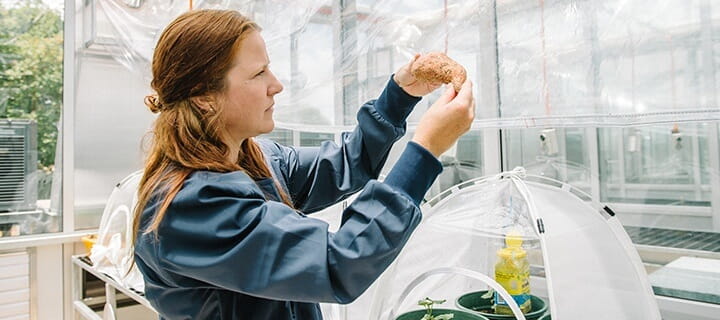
(513, 249)
(513, 240)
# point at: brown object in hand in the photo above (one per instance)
(438, 67)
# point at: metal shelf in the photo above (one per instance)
(80, 264)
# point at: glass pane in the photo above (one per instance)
(308, 96)
(281, 136)
(561, 154)
(313, 139)
(655, 165)
(31, 91)
(662, 181)
(460, 164)
(470, 148)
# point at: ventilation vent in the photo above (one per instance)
(18, 157)
(680, 239)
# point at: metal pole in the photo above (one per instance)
(488, 87)
(66, 138)
(345, 65)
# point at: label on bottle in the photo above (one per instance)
(518, 285)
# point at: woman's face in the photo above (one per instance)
(248, 99)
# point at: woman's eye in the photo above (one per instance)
(260, 73)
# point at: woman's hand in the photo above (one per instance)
(412, 86)
(446, 120)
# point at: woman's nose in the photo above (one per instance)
(275, 87)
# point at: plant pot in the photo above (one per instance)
(474, 302)
(545, 317)
(458, 315)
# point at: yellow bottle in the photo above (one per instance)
(512, 271)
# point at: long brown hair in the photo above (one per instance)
(192, 58)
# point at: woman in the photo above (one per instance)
(220, 230)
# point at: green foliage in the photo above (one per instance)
(31, 70)
(428, 304)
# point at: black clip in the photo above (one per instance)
(609, 211)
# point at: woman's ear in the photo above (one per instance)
(205, 103)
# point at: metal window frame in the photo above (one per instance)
(67, 136)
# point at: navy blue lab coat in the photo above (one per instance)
(228, 249)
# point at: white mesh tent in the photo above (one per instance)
(592, 271)
(112, 254)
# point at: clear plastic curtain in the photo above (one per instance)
(564, 63)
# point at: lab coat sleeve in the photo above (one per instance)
(230, 237)
(317, 177)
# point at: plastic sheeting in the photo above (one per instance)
(539, 63)
(591, 267)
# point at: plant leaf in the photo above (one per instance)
(426, 302)
(489, 294)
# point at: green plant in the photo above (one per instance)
(428, 304)
(490, 294)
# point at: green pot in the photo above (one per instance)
(474, 302)
(458, 315)
(545, 317)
